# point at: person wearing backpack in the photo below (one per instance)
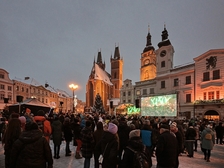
(207, 142)
(134, 151)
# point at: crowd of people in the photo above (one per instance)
(120, 140)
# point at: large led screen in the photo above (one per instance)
(165, 105)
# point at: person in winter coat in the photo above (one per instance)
(12, 133)
(166, 148)
(76, 137)
(31, 150)
(123, 133)
(109, 147)
(67, 130)
(219, 133)
(87, 139)
(57, 136)
(135, 143)
(98, 134)
(207, 142)
(46, 124)
(190, 139)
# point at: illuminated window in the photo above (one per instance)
(216, 74)
(163, 84)
(210, 95)
(204, 95)
(163, 64)
(175, 82)
(188, 80)
(217, 95)
(206, 76)
(188, 98)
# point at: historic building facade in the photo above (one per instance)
(103, 83)
(198, 85)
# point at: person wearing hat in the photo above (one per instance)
(166, 148)
(190, 139)
(134, 144)
(108, 146)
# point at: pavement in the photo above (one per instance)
(217, 159)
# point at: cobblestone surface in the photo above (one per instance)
(217, 159)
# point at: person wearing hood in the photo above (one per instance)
(207, 142)
(134, 143)
(109, 146)
(31, 149)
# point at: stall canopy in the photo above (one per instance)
(32, 103)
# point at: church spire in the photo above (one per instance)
(99, 57)
(117, 53)
(148, 42)
(165, 41)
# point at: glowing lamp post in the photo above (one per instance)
(73, 87)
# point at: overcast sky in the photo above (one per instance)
(55, 41)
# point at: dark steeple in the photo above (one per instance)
(165, 41)
(99, 58)
(117, 53)
(148, 42)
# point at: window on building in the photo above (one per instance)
(188, 98)
(9, 88)
(188, 80)
(217, 95)
(216, 74)
(124, 101)
(205, 96)
(2, 87)
(206, 76)
(129, 101)
(2, 76)
(42, 100)
(46, 101)
(115, 86)
(115, 75)
(27, 90)
(129, 93)
(144, 92)
(17, 88)
(151, 90)
(34, 90)
(38, 91)
(127, 85)
(10, 97)
(211, 95)
(163, 64)
(124, 93)
(2, 95)
(22, 89)
(176, 82)
(163, 84)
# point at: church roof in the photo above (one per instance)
(100, 74)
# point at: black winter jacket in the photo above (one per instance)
(31, 150)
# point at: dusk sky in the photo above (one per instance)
(55, 41)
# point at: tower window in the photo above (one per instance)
(163, 64)
(115, 75)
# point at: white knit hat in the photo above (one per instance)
(112, 128)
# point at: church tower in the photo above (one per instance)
(164, 55)
(148, 61)
(116, 73)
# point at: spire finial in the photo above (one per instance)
(164, 25)
(148, 28)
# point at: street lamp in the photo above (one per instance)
(73, 87)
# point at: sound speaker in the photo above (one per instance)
(137, 103)
(111, 104)
(6, 100)
(19, 99)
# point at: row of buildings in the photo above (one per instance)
(17, 90)
(198, 85)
